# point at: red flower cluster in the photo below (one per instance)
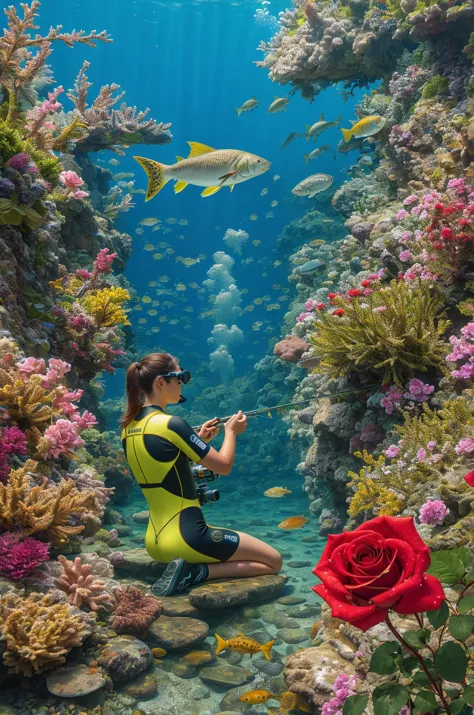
(379, 566)
(451, 225)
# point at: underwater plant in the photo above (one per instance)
(393, 332)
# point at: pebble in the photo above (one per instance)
(237, 592)
(291, 600)
(226, 675)
(293, 635)
(197, 657)
(178, 606)
(143, 687)
(311, 539)
(177, 632)
(298, 564)
(141, 517)
(184, 670)
(303, 611)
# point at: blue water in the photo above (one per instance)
(192, 63)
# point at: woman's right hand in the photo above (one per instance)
(236, 424)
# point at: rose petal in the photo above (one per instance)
(470, 478)
(428, 597)
(363, 617)
(396, 527)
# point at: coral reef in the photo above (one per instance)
(134, 611)
(81, 585)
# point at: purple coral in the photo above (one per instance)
(7, 188)
(17, 557)
(12, 441)
(433, 512)
(344, 687)
(19, 162)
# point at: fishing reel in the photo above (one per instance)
(204, 494)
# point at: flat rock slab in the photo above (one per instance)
(237, 592)
(303, 611)
(178, 606)
(298, 564)
(74, 681)
(176, 632)
(291, 600)
(138, 563)
(226, 675)
(125, 657)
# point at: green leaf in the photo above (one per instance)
(413, 639)
(425, 701)
(438, 618)
(461, 627)
(355, 705)
(451, 692)
(451, 662)
(462, 553)
(466, 604)
(468, 694)
(457, 706)
(448, 566)
(421, 678)
(382, 661)
(12, 217)
(406, 665)
(388, 699)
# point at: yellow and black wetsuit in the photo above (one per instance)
(157, 447)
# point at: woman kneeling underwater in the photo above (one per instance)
(158, 447)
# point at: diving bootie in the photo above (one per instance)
(178, 576)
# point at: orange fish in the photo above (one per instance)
(294, 522)
(244, 644)
(276, 492)
(257, 696)
(288, 701)
(302, 704)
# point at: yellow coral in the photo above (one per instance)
(106, 306)
(27, 402)
(38, 633)
(43, 508)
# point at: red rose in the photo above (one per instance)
(469, 478)
(338, 312)
(379, 565)
(354, 292)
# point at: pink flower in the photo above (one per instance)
(31, 366)
(405, 256)
(392, 451)
(402, 214)
(57, 369)
(70, 179)
(412, 199)
(78, 194)
(433, 512)
(421, 454)
(464, 446)
(63, 437)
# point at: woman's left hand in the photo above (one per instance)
(209, 430)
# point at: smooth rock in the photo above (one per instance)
(141, 517)
(178, 606)
(237, 592)
(138, 563)
(74, 681)
(143, 687)
(303, 611)
(184, 670)
(226, 675)
(251, 613)
(291, 600)
(125, 657)
(298, 564)
(197, 657)
(311, 539)
(293, 635)
(176, 633)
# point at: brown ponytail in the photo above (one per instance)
(139, 379)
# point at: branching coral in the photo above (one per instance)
(134, 611)
(38, 633)
(108, 127)
(105, 307)
(82, 587)
(53, 510)
(396, 330)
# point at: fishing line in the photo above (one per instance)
(268, 410)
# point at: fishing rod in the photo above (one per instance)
(268, 410)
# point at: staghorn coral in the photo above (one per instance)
(402, 337)
(105, 307)
(38, 632)
(82, 587)
(134, 611)
(52, 510)
(109, 128)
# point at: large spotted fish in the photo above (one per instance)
(212, 168)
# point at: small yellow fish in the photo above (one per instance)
(366, 127)
(256, 242)
(270, 214)
(257, 696)
(171, 220)
(253, 217)
(183, 222)
(277, 177)
(152, 312)
(163, 318)
(317, 242)
(180, 286)
(264, 192)
(249, 308)
(163, 279)
(143, 320)
(276, 263)
(293, 522)
(155, 330)
(114, 162)
(173, 322)
(247, 106)
(156, 228)
(149, 247)
(157, 256)
(149, 221)
(137, 307)
(167, 230)
(139, 231)
(152, 284)
(258, 301)
(193, 285)
(243, 644)
(277, 492)
(274, 203)
(169, 251)
(189, 309)
(163, 244)
(188, 262)
(202, 257)
(146, 299)
(244, 291)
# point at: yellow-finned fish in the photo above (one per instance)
(293, 522)
(320, 126)
(247, 106)
(278, 104)
(276, 492)
(205, 166)
(243, 644)
(366, 127)
(257, 696)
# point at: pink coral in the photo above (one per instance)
(12, 441)
(31, 366)
(63, 437)
(344, 687)
(104, 260)
(134, 611)
(291, 348)
(17, 557)
(70, 180)
(433, 512)
(82, 587)
(85, 421)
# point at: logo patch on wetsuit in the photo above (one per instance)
(229, 537)
(194, 438)
(217, 535)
